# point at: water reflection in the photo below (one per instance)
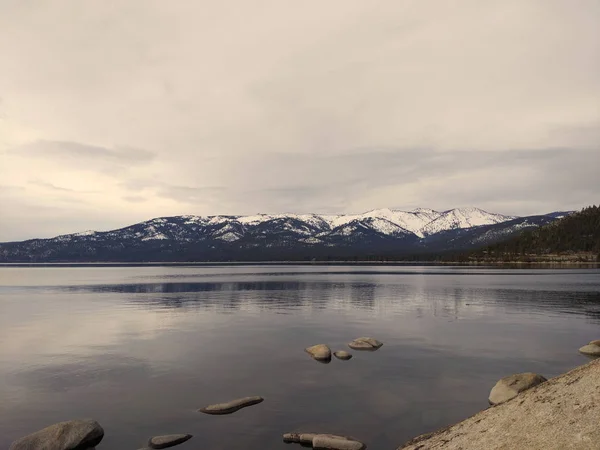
(141, 349)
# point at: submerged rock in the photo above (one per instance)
(343, 355)
(320, 352)
(169, 440)
(509, 387)
(232, 406)
(590, 349)
(74, 434)
(365, 343)
(333, 442)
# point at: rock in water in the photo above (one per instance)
(365, 343)
(71, 435)
(232, 406)
(596, 342)
(299, 438)
(590, 349)
(168, 440)
(343, 355)
(333, 442)
(509, 387)
(320, 352)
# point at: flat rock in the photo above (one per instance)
(168, 440)
(232, 406)
(299, 438)
(71, 435)
(365, 343)
(320, 352)
(343, 355)
(333, 442)
(590, 349)
(509, 387)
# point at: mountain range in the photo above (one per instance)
(280, 237)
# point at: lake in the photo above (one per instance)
(140, 349)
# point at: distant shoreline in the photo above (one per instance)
(506, 264)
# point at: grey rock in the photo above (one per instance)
(71, 435)
(333, 442)
(590, 349)
(343, 355)
(232, 406)
(299, 438)
(169, 440)
(509, 387)
(320, 352)
(365, 343)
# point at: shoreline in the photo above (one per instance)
(561, 413)
(591, 264)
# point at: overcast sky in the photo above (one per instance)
(114, 112)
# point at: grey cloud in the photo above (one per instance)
(65, 149)
(54, 187)
(437, 104)
(134, 198)
(190, 194)
(531, 180)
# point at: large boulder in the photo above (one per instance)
(365, 343)
(591, 349)
(71, 435)
(509, 387)
(168, 440)
(232, 406)
(320, 352)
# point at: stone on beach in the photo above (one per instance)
(169, 440)
(320, 352)
(232, 406)
(590, 349)
(324, 441)
(365, 343)
(71, 435)
(343, 355)
(333, 442)
(509, 387)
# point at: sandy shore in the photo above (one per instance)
(562, 413)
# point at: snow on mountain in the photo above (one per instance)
(462, 218)
(412, 221)
(306, 228)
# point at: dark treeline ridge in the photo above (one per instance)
(577, 233)
(572, 238)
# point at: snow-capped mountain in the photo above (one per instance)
(272, 236)
(462, 218)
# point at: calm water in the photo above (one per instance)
(141, 348)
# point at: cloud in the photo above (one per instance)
(75, 152)
(134, 198)
(204, 108)
(53, 187)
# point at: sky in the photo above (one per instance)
(114, 112)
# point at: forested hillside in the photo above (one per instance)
(575, 237)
